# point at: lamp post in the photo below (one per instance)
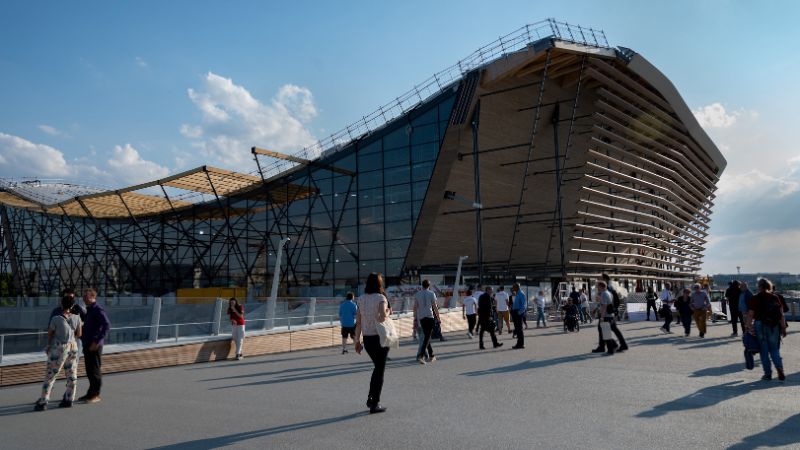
(456, 284)
(269, 323)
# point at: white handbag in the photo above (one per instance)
(605, 329)
(388, 334)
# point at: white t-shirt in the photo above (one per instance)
(584, 300)
(606, 299)
(539, 301)
(501, 297)
(470, 305)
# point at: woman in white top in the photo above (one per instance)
(62, 352)
(373, 309)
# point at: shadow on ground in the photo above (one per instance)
(231, 439)
(709, 396)
(785, 433)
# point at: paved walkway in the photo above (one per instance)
(666, 392)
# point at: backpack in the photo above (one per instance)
(617, 300)
(773, 311)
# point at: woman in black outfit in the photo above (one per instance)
(682, 304)
(373, 308)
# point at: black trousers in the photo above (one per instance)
(652, 304)
(471, 320)
(736, 316)
(427, 324)
(517, 318)
(378, 354)
(686, 320)
(92, 361)
(602, 344)
(667, 320)
(487, 326)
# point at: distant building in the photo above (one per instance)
(777, 278)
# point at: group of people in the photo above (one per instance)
(487, 311)
(73, 328)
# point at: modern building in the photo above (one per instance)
(545, 155)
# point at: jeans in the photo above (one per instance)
(770, 340)
(421, 341)
(652, 304)
(92, 362)
(378, 354)
(517, 317)
(427, 324)
(540, 316)
(585, 317)
(602, 344)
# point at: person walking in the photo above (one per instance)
(605, 308)
(517, 310)
(732, 295)
(666, 310)
(501, 299)
(347, 320)
(478, 293)
(766, 321)
(62, 353)
(665, 296)
(373, 308)
(469, 311)
(538, 301)
(700, 304)
(95, 329)
(584, 307)
(683, 303)
(614, 295)
(236, 314)
(485, 319)
(426, 311)
(651, 302)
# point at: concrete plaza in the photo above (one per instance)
(666, 392)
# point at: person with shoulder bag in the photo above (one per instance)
(373, 309)
(62, 353)
(766, 321)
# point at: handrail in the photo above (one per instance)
(439, 82)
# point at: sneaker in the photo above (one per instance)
(749, 361)
(766, 377)
(420, 360)
(686, 335)
(518, 347)
(432, 359)
(238, 357)
(40, 406)
(483, 348)
(734, 334)
(499, 344)
(622, 349)
(781, 375)
(376, 409)
(93, 399)
(344, 350)
(598, 350)
(65, 404)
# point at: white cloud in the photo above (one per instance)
(764, 250)
(129, 165)
(52, 131)
(715, 116)
(21, 158)
(233, 121)
(141, 62)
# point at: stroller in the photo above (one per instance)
(571, 321)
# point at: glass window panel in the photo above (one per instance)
(425, 152)
(346, 269)
(373, 147)
(370, 250)
(370, 197)
(397, 138)
(370, 232)
(342, 183)
(394, 267)
(325, 186)
(344, 252)
(322, 237)
(398, 230)
(445, 108)
(442, 129)
(429, 116)
(348, 217)
(398, 193)
(368, 180)
(370, 214)
(345, 162)
(397, 248)
(422, 171)
(370, 161)
(397, 157)
(398, 211)
(375, 265)
(397, 175)
(418, 190)
(348, 234)
(425, 133)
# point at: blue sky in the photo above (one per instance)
(113, 93)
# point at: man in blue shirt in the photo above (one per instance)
(95, 329)
(347, 319)
(518, 308)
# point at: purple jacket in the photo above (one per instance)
(95, 326)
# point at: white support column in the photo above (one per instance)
(217, 316)
(155, 319)
(312, 310)
(456, 283)
(269, 323)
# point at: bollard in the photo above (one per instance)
(176, 332)
(217, 317)
(155, 319)
(2, 346)
(312, 311)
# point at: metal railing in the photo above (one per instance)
(436, 84)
